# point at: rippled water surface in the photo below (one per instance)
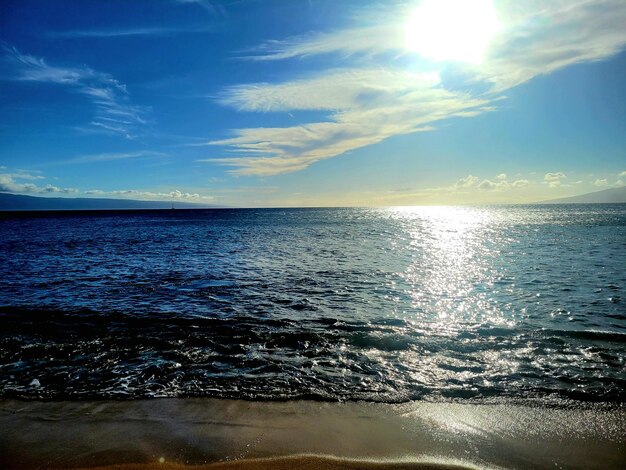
(378, 304)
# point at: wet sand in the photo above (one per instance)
(232, 434)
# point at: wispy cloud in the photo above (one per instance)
(127, 32)
(543, 37)
(536, 38)
(333, 90)
(104, 157)
(367, 105)
(210, 7)
(114, 113)
(371, 40)
(375, 30)
(23, 175)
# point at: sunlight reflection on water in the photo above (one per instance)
(451, 261)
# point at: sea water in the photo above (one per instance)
(380, 304)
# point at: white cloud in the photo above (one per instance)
(467, 182)
(114, 113)
(554, 176)
(149, 195)
(488, 185)
(541, 37)
(553, 180)
(366, 106)
(8, 184)
(471, 182)
(53, 189)
(622, 174)
(601, 182)
(469, 189)
(520, 183)
(501, 183)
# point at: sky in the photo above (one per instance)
(313, 103)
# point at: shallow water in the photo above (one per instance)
(81, 434)
(379, 304)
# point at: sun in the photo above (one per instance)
(452, 30)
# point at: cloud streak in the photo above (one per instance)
(370, 40)
(213, 8)
(113, 114)
(128, 32)
(105, 157)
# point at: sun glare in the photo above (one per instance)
(456, 30)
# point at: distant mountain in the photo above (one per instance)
(15, 202)
(598, 197)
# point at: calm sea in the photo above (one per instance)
(387, 304)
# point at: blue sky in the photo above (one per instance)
(299, 103)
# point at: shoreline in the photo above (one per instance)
(230, 434)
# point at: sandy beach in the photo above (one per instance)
(297, 462)
(213, 433)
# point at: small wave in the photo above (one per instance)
(84, 353)
(594, 335)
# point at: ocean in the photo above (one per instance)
(335, 304)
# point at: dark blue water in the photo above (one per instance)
(376, 304)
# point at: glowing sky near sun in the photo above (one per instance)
(453, 30)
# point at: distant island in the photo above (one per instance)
(614, 195)
(17, 202)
